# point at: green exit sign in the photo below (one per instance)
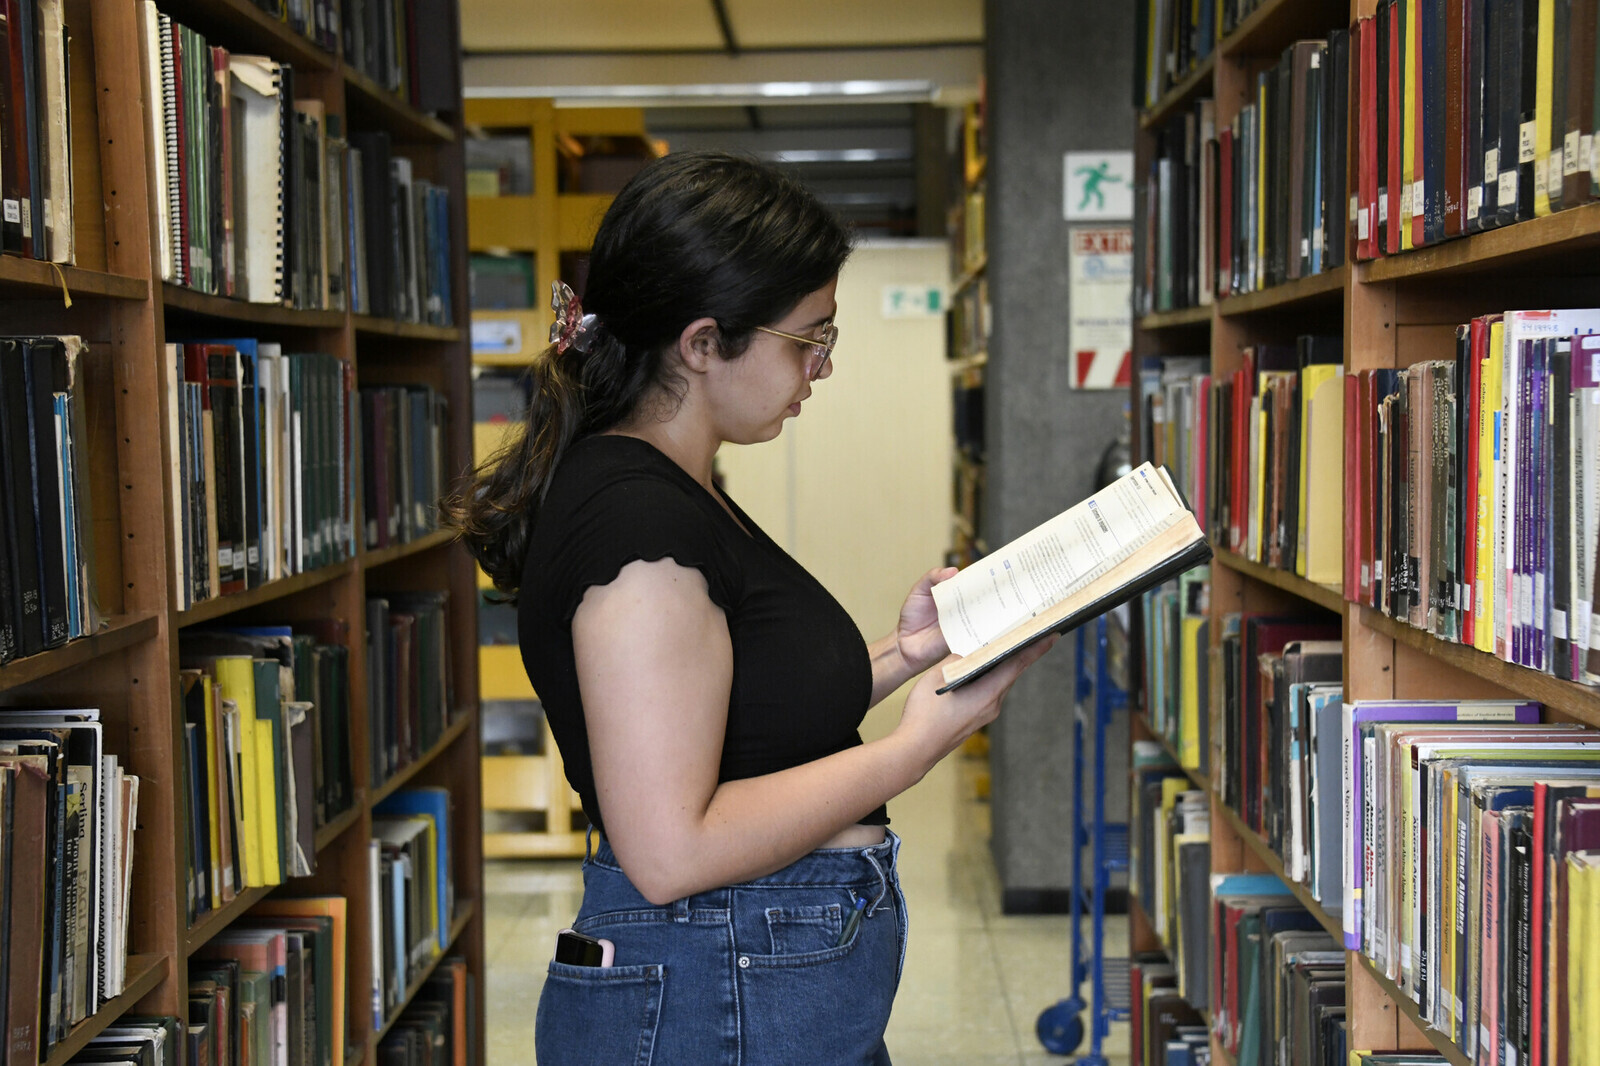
(913, 301)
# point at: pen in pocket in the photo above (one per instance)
(853, 923)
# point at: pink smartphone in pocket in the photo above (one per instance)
(575, 949)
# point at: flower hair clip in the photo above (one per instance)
(572, 328)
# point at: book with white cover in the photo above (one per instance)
(254, 86)
(1096, 555)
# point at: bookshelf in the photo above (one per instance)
(968, 331)
(532, 811)
(113, 297)
(1391, 313)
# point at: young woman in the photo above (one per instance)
(705, 691)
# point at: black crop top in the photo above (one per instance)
(802, 678)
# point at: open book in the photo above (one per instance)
(1099, 553)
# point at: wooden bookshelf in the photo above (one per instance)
(1193, 85)
(1325, 288)
(128, 669)
(120, 632)
(1183, 318)
(1328, 597)
(1199, 778)
(466, 910)
(1385, 308)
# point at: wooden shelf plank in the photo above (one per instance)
(1193, 86)
(211, 923)
(212, 609)
(1291, 295)
(1184, 317)
(398, 779)
(1274, 865)
(30, 278)
(341, 822)
(969, 362)
(458, 924)
(370, 101)
(382, 556)
(1441, 1043)
(121, 631)
(1564, 234)
(241, 26)
(1579, 701)
(386, 327)
(531, 845)
(970, 274)
(144, 972)
(1276, 24)
(1198, 778)
(178, 298)
(1330, 597)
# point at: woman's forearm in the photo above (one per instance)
(889, 668)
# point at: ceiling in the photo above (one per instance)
(835, 91)
(546, 26)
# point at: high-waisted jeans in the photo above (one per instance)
(754, 974)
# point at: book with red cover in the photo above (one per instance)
(1458, 38)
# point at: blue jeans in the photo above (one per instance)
(754, 974)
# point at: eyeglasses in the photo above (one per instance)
(821, 346)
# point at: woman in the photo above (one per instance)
(705, 691)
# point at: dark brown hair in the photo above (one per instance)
(695, 235)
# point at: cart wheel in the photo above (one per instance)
(1060, 1029)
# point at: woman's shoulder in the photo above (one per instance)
(597, 468)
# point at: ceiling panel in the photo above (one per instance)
(590, 26)
(850, 23)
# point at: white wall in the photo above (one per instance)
(858, 487)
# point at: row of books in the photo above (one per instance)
(1169, 864)
(68, 809)
(261, 196)
(1248, 772)
(409, 694)
(1258, 201)
(1260, 451)
(1164, 1029)
(47, 587)
(135, 1040)
(270, 989)
(1177, 664)
(36, 134)
(1471, 116)
(413, 892)
(1471, 489)
(260, 443)
(969, 231)
(1174, 37)
(266, 731)
(437, 1028)
(263, 449)
(1279, 977)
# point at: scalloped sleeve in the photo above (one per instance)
(640, 517)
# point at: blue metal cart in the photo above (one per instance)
(1060, 1027)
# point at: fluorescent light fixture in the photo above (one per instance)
(840, 155)
(730, 93)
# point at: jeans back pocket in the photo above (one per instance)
(598, 1015)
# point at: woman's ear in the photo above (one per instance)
(699, 344)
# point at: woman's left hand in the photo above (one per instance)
(917, 636)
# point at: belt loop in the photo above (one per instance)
(680, 909)
(588, 842)
(883, 878)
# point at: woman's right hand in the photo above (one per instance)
(937, 724)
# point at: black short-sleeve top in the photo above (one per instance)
(802, 678)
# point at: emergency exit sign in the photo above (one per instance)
(912, 301)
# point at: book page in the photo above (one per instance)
(1054, 560)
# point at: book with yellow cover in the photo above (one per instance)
(1544, 96)
(1484, 586)
(235, 675)
(1411, 169)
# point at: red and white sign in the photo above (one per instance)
(1101, 308)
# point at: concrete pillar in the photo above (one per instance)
(1059, 75)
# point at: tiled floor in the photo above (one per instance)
(975, 980)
